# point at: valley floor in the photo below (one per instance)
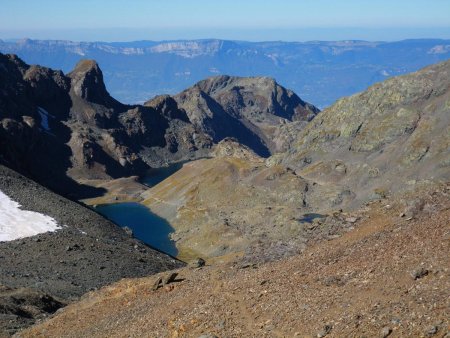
(388, 277)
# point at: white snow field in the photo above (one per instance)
(17, 223)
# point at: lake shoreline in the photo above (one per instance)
(128, 191)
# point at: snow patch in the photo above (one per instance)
(17, 223)
(45, 115)
(44, 118)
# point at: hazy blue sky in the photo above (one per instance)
(300, 20)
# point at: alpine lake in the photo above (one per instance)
(146, 226)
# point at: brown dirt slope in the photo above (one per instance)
(387, 277)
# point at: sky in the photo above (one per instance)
(253, 20)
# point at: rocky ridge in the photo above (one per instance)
(393, 135)
(248, 109)
(46, 114)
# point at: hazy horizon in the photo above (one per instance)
(169, 39)
(252, 20)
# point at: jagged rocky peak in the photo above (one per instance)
(13, 58)
(87, 83)
(257, 93)
(251, 109)
(11, 67)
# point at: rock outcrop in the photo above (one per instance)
(23, 307)
(384, 140)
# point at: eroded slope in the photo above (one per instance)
(390, 275)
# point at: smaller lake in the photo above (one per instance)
(308, 218)
(157, 175)
(147, 227)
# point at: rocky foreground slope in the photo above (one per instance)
(389, 276)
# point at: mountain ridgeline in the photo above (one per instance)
(322, 71)
(75, 130)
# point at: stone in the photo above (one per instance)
(128, 231)
(325, 331)
(385, 332)
(419, 273)
(197, 263)
(157, 283)
(165, 280)
(431, 331)
(169, 278)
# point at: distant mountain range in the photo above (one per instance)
(320, 72)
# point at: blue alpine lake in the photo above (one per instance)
(156, 175)
(147, 227)
(309, 218)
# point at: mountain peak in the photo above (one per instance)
(87, 83)
(86, 65)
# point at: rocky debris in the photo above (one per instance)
(325, 331)
(197, 263)
(128, 231)
(432, 330)
(164, 280)
(385, 332)
(208, 335)
(351, 219)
